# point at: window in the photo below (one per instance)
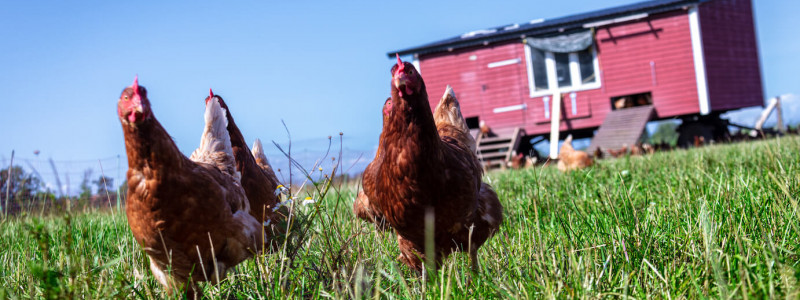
(562, 70)
(549, 72)
(537, 62)
(586, 63)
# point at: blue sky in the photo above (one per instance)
(319, 66)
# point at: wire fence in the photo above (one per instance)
(64, 177)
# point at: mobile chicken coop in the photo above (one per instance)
(601, 74)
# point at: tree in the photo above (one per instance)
(665, 133)
(23, 186)
(86, 189)
(105, 185)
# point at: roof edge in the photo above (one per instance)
(559, 24)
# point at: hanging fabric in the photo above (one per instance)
(565, 43)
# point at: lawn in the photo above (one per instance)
(719, 221)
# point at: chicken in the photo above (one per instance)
(191, 217)
(259, 183)
(619, 152)
(570, 159)
(598, 153)
(362, 210)
(623, 102)
(485, 130)
(648, 148)
(422, 169)
(361, 205)
(261, 158)
(699, 141)
(636, 149)
(448, 111)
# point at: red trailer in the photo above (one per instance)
(611, 70)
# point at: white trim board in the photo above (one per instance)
(699, 61)
(503, 109)
(415, 62)
(504, 63)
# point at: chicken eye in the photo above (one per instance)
(126, 97)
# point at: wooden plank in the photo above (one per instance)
(621, 127)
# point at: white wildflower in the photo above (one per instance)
(282, 204)
(281, 190)
(308, 201)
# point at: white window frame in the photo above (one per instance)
(574, 70)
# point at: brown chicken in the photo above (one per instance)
(448, 112)
(619, 152)
(699, 141)
(485, 130)
(259, 183)
(570, 159)
(421, 169)
(519, 161)
(636, 149)
(190, 217)
(598, 153)
(648, 148)
(361, 205)
(261, 159)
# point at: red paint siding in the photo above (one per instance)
(480, 89)
(625, 52)
(731, 54)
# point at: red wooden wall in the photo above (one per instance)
(478, 88)
(731, 54)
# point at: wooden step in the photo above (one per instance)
(496, 139)
(487, 148)
(492, 155)
(496, 151)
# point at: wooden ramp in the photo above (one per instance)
(622, 127)
(495, 151)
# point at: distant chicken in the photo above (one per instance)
(425, 168)
(570, 159)
(699, 141)
(191, 216)
(258, 180)
(486, 131)
(648, 148)
(598, 153)
(636, 149)
(619, 152)
(519, 161)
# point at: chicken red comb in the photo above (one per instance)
(210, 95)
(400, 65)
(135, 85)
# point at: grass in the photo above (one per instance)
(715, 222)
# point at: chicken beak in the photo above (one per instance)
(402, 83)
(400, 80)
(136, 114)
(135, 109)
